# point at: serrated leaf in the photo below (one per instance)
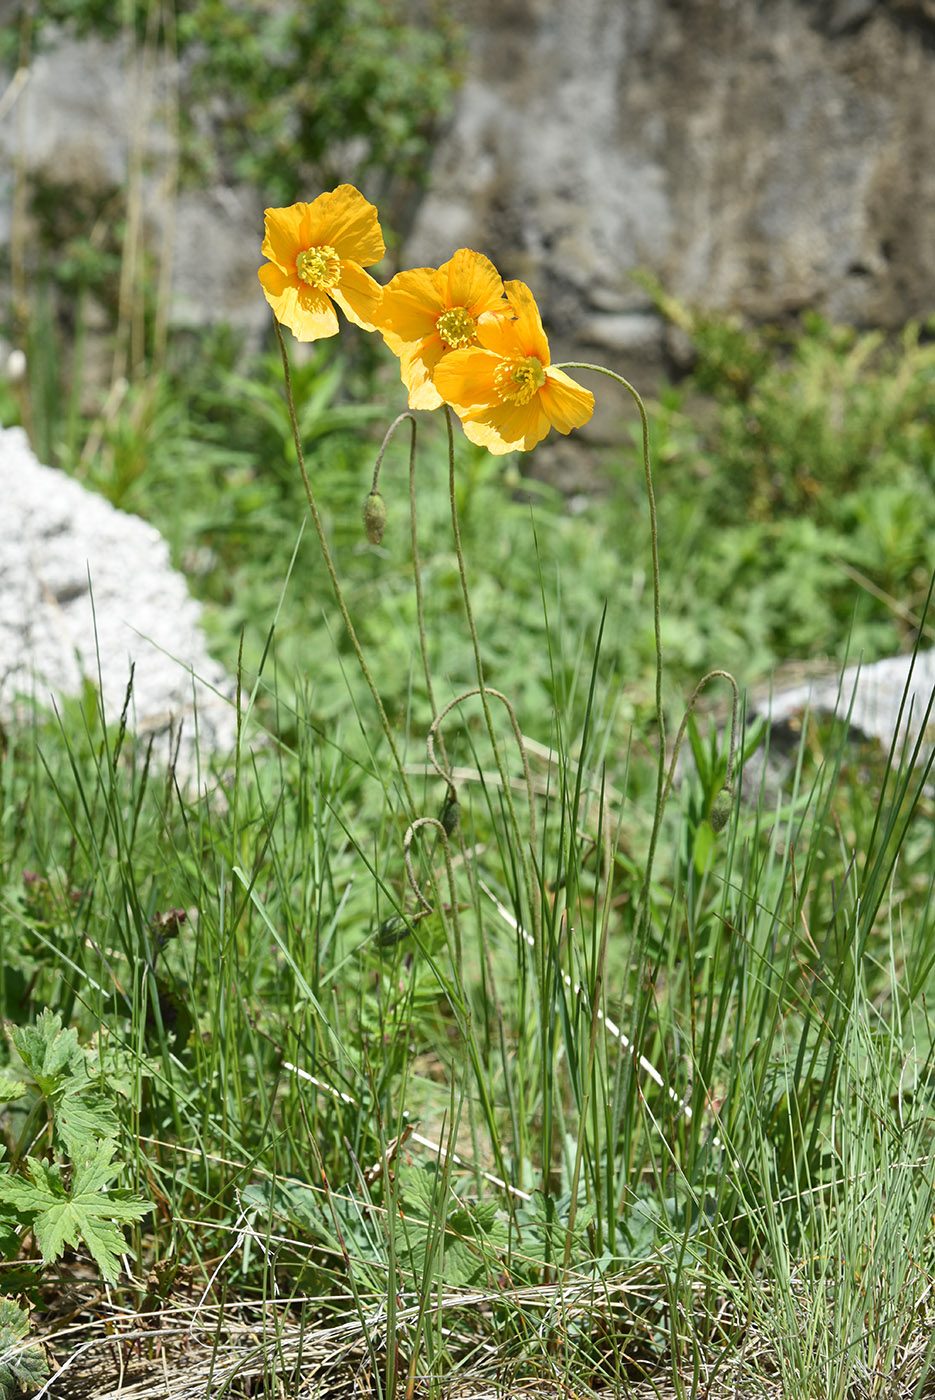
(12, 1318)
(87, 1213)
(82, 1117)
(21, 1365)
(48, 1052)
(11, 1089)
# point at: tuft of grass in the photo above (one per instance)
(699, 1155)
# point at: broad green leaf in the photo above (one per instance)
(87, 1212)
(47, 1051)
(703, 846)
(82, 1116)
(22, 1364)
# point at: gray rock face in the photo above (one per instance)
(890, 701)
(86, 591)
(754, 158)
(97, 116)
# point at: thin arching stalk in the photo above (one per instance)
(689, 708)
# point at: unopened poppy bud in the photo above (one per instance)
(721, 809)
(375, 517)
(450, 813)
(392, 930)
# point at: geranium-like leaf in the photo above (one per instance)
(82, 1116)
(87, 1212)
(48, 1052)
(22, 1364)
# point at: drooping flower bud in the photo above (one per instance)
(721, 809)
(375, 517)
(450, 814)
(392, 930)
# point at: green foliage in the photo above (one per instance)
(63, 1081)
(83, 1211)
(801, 484)
(22, 1365)
(313, 88)
(288, 96)
(63, 1201)
(714, 1105)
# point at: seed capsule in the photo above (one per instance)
(375, 517)
(450, 814)
(721, 809)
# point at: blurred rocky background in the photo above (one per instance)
(627, 158)
(753, 158)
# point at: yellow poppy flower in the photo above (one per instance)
(429, 312)
(317, 254)
(504, 390)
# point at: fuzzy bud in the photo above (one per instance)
(721, 809)
(450, 814)
(375, 517)
(392, 930)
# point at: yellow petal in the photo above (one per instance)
(501, 334)
(507, 427)
(528, 321)
(411, 306)
(465, 379)
(275, 281)
(283, 235)
(358, 296)
(348, 223)
(473, 282)
(416, 364)
(307, 312)
(566, 403)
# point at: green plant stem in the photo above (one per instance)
(524, 844)
(642, 920)
(689, 708)
(332, 574)
(442, 836)
(417, 577)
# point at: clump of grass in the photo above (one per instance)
(413, 1060)
(445, 1037)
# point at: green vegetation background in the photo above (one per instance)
(164, 955)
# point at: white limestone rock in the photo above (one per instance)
(86, 592)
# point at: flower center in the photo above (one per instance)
(319, 267)
(456, 328)
(519, 378)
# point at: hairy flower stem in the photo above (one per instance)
(642, 920)
(332, 574)
(689, 710)
(535, 910)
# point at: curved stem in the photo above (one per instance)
(692, 701)
(643, 912)
(445, 772)
(387, 436)
(332, 573)
(442, 835)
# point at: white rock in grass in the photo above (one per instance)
(86, 591)
(883, 700)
